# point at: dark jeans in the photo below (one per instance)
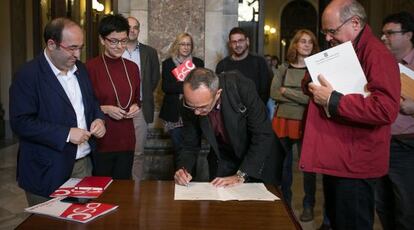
(176, 138)
(395, 191)
(117, 165)
(309, 186)
(349, 202)
(309, 179)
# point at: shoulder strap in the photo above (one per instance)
(230, 80)
(282, 72)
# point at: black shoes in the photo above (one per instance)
(307, 215)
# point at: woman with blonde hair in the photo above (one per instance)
(180, 51)
(287, 122)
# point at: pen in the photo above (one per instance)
(186, 174)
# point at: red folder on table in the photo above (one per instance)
(94, 183)
(68, 189)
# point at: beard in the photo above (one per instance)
(238, 52)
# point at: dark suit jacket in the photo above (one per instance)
(150, 75)
(172, 88)
(250, 132)
(41, 115)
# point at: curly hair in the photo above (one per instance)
(292, 53)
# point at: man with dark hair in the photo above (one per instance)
(146, 58)
(397, 30)
(54, 113)
(251, 66)
(346, 137)
(395, 200)
(226, 110)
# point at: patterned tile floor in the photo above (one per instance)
(12, 198)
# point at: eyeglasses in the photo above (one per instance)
(388, 33)
(235, 42)
(184, 44)
(202, 109)
(71, 49)
(115, 42)
(334, 31)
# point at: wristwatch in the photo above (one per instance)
(242, 175)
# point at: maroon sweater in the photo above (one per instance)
(120, 135)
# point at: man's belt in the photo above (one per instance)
(404, 136)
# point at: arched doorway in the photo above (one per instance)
(296, 15)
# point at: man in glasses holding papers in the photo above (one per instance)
(395, 200)
(227, 111)
(346, 137)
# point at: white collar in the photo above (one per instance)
(57, 71)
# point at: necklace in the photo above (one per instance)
(113, 85)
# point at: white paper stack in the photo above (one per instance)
(206, 191)
(340, 67)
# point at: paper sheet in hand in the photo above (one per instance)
(340, 67)
(407, 82)
(206, 191)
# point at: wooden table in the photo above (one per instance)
(151, 205)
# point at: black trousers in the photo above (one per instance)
(349, 202)
(395, 191)
(117, 165)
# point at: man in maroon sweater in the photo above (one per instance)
(346, 137)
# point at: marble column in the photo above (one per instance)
(221, 16)
(168, 18)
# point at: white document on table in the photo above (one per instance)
(206, 191)
(340, 67)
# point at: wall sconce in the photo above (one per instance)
(283, 50)
(97, 6)
(268, 31)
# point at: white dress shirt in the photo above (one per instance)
(70, 84)
(135, 57)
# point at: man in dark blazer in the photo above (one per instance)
(228, 112)
(54, 113)
(146, 58)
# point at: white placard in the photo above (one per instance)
(340, 67)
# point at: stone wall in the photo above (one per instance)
(170, 18)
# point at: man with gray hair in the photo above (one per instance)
(346, 137)
(227, 111)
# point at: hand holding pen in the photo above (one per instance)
(182, 177)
